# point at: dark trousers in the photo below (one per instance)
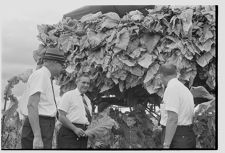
(184, 137)
(67, 139)
(47, 125)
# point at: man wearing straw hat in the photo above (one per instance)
(39, 124)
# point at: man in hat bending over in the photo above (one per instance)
(38, 128)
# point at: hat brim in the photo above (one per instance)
(55, 59)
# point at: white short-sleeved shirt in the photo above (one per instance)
(39, 81)
(179, 99)
(73, 105)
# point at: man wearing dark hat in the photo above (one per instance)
(177, 111)
(38, 128)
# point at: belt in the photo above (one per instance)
(181, 126)
(44, 117)
(185, 126)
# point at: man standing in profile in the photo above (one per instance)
(75, 115)
(39, 124)
(178, 111)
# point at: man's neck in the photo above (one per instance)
(80, 91)
(170, 78)
(49, 68)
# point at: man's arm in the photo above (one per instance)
(66, 122)
(33, 116)
(171, 126)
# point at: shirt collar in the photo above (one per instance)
(47, 71)
(78, 92)
(171, 81)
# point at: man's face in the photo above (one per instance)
(83, 84)
(58, 67)
(130, 121)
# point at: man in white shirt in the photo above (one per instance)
(177, 111)
(38, 127)
(75, 113)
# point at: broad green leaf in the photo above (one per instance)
(116, 50)
(122, 39)
(97, 57)
(115, 80)
(90, 17)
(175, 59)
(130, 79)
(112, 36)
(137, 52)
(188, 55)
(213, 51)
(109, 23)
(200, 91)
(145, 60)
(52, 36)
(207, 45)
(104, 88)
(38, 54)
(158, 27)
(188, 75)
(211, 82)
(204, 59)
(134, 28)
(42, 28)
(151, 72)
(68, 43)
(200, 46)
(191, 48)
(184, 63)
(178, 28)
(150, 41)
(137, 70)
(120, 74)
(121, 86)
(186, 17)
(95, 38)
(10, 112)
(43, 37)
(112, 15)
(175, 45)
(127, 61)
(207, 34)
(132, 45)
(153, 86)
(116, 62)
(106, 61)
(108, 84)
(136, 15)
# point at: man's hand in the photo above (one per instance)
(99, 144)
(139, 146)
(38, 143)
(166, 146)
(79, 132)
